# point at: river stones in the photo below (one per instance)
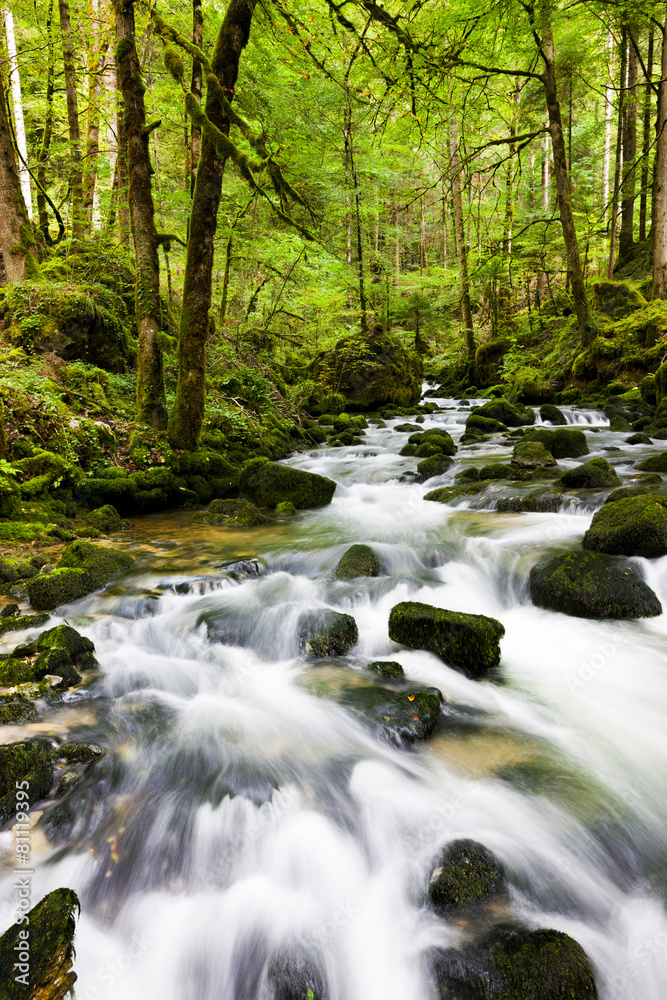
(593, 474)
(28, 761)
(445, 494)
(496, 470)
(296, 974)
(516, 964)
(359, 560)
(46, 973)
(656, 463)
(404, 716)
(326, 633)
(232, 513)
(477, 422)
(466, 873)
(83, 567)
(266, 484)
(389, 669)
(591, 585)
(57, 653)
(532, 455)
(624, 492)
(539, 501)
(469, 643)
(635, 526)
(551, 414)
(12, 621)
(510, 414)
(565, 442)
(436, 465)
(639, 438)
(427, 444)
(15, 709)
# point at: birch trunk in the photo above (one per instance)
(19, 123)
(96, 61)
(16, 234)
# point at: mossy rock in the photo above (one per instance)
(16, 623)
(15, 709)
(79, 753)
(387, 669)
(404, 717)
(616, 299)
(324, 633)
(407, 428)
(435, 465)
(512, 964)
(469, 643)
(552, 415)
(9, 495)
(83, 567)
(267, 484)
(359, 560)
(466, 873)
(620, 424)
(540, 501)
(656, 463)
(446, 494)
(639, 438)
(433, 441)
(496, 470)
(507, 413)
(485, 425)
(18, 760)
(591, 585)
(625, 492)
(532, 455)
(47, 974)
(634, 526)
(15, 671)
(296, 974)
(105, 519)
(568, 442)
(232, 513)
(595, 474)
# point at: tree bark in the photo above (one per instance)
(76, 172)
(96, 61)
(187, 417)
(16, 233)
(196, 87)
(562, 185)
(626, 237)
(606, 152)
(151, 404)
(646, 137)
(461, 249)
(619, 145)
(660, 191)
(45, 147)
(19, 123)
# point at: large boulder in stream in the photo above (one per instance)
(466, 873)
(510, 414)
(635, 526)
(232, 514)
(564, 442)
(359, 560)
(266, 484)
(326, 633)
(552, 415)
(469, 643)
(656, 463)
(514, 964)
(403, 716)
(36, 956)
(595, 474)
(532, 455)
(591, 585)
(83, 567)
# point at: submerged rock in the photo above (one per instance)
(359, 560)
(466, 873)
(552, 414)
(232, 513)
(83, 567)
(634, 526)
(296, 975)
(591, 475)
(389, 669)
(48, 965)
(590, 585)
(403, 716)
(267, 484)
(540, 501)
(15, 623)
(326, 633)
(445, 494)
(469, 643)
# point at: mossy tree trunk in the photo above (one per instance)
(151, 404)
(646, 136)
(76, 168)
(461, 251)
(660, 189)
(187, 417)
(196, 88)
(45, 147)
(96, 62)
(17, 237)
(626, 235)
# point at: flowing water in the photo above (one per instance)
(241, 809)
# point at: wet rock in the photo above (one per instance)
(15, 709)
(267, 484)
(326, 633)
(436, 465)
(105, 519)
(552, 414)
(296, 975)
(469, 475)
(624, 492)
(79, 753)
(407, 428)
(50, 931)
(510, 414)
(28, 763)
(242, 569)
(634, 526)
(532, 455)
(469, 643)
(433, 442)
(484, 425)
(67, 782)
(512, 964)
(467, 873)
(403, 716)
(591, 475)
(359, 560)
(620, 424)
(232, 513)
(639, 438)
(540, 501)
(568, 442)
(286, 507)
(496, 470)
(592, 585)
(9, 611)
(83, 567)
(389, 669)
(15, 671)
(656, 463)
(15, 623)
(445, 494)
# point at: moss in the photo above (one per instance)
(495, 470)
(616, 299)
(14, 623)
(656, 463)
(105, 519)
(232, 513)
(403, 716)
(470, 643)
(590, 585)
(79, 753)
(359, 560)
(51, 926)
(445, 494)
(267, 484)
(529, 454)
(483, 424)
(19, 759)
(551, 414)
(594, 474)
(15, 710)
(387, 669)
(466, 873)
(13, 671)
(83, 567)
(540, 501)
(433, 441)
(286, 507)
(505, 412)
(326, 633)
(634, 526)
(435, 465)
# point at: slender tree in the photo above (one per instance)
(97, 51)
(76, 166)
(660, 193)
(646, 135)
(626, 236)
(461, 248)
(16, 233)
(17, 100)
(196, 90)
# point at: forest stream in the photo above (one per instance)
(244, 807)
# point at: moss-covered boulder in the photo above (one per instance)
(28, 762)
(469, 643)
(495, 470)
(540, 501)
(266, 484)
(592, 585)
(477, 422)
(656, 463)
(568, 442)
(466, 873)
(36, 953)
(9, 495)
(15, 709)
(296, 974)
(359, 560)
(552, 415)
(83, 567)
(447, 494)
(435, 465)
(436, 441)
(105, 519)
(510, 414)
(326, 633)
(404, 717)
(635, 526)
(625, 492)
(616, 299)
(232, 513)
(512, 964)
(15, 622)
(387, 669)
(594, 474)
(79, 753)
(532, 455)
(62, 652)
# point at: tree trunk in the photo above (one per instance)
(96, 60)
(76, 173)
(660, 191)
(619, 145)
(646, 138)
(19, 123)
(45, 147)
(545, 172)
(626, 238)
(606, 153)
(461, 250)
(187, 418)
(195, 87)
(151, 405)
(16, 233)
(562, 185)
